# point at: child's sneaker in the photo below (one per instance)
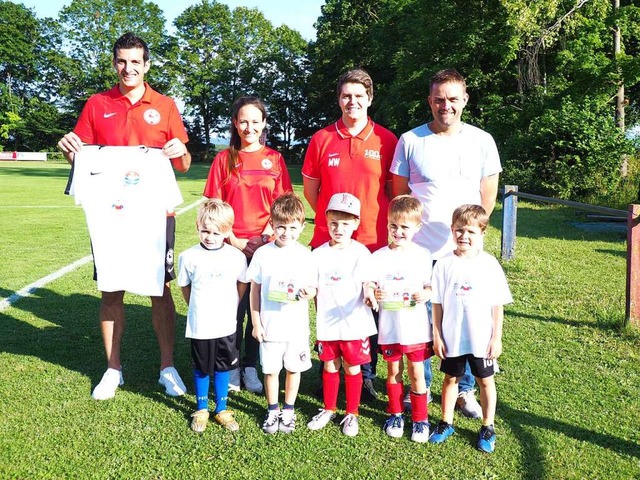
(321, 419)
(468, 405)
(443, 431)
(251, 381)
(199, 420)
(420, 432)
(226, 419)
(172, 383)
(234, 380)
(394, 426)
(110, 381)
(287, 421)
(350, 425)
(271, 421)
(487, 439)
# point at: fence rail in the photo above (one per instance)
(508, 249)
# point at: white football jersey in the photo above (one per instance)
(125, 193)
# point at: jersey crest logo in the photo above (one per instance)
(266, 164)
(152, 116)
(131, 178)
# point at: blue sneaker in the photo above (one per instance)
(486, 439)
(394, 426)
(442, 431)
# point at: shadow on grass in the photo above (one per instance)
(603, 321)
(64, 330)
(534, 457)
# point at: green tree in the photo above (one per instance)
(92, 26)
(224, 54)
(286, 74)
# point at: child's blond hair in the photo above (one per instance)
(470, 214)
(287, 208)
(217, 212)
(405, 207)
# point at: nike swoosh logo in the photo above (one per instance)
(95, 173)
(107, 115)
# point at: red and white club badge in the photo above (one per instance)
(152, 116)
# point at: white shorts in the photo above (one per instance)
(294, 355)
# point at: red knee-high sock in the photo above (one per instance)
(419, 409)
(395, 392)
(330, 386)
(353, 389)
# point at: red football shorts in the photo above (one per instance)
(354, 352)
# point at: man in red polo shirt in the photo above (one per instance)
(129, 114)
(352, 155)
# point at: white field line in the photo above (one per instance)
(31, 288)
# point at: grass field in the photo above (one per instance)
(569, 391)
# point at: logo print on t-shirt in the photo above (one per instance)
(152, 116)
(334, 159)
(131, 178)
(266, 164)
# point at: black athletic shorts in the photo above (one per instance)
(480, 367)
(215, 355)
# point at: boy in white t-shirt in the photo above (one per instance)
(343, 322)
(400, 286)
(282, 276)
(211, 275)
(469, 291)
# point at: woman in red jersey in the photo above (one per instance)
(249, 176)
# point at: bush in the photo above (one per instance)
(573, 152)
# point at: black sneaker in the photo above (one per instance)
(369, 393)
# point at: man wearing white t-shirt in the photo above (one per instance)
(446, 163)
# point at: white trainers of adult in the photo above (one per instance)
(321, 420)
(350, 425)
(234, 380)
(468, 405)
(110, 381)
(171, 381)
(251, 380)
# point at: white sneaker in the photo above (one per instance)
(420, 432)
(251, 380)
(321, 419)
(287, 421)
(234, 380)
(271, 421)
(394, 426)
(171, 381)
(468, 405)
(106, 389)
(350, 425)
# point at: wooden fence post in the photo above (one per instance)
(509, 219)
(633, 265)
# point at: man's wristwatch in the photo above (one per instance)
(265, 238)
